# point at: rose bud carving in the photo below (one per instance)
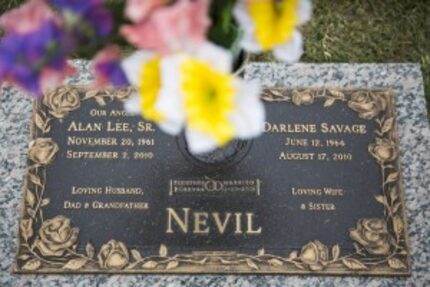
(315, 255)
(113, 255)
(56, 236)
(302, 98)
(373, 235)
(42, 151)
(123, 94)
(384, 150)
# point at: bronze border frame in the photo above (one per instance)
(383, 253)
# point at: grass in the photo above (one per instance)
(371, 31)
(361, 31)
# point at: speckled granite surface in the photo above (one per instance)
(405, 79)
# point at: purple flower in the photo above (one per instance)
(93, 13)
(35, 60)
(107, 68)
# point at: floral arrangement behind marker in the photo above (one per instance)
(182, 67)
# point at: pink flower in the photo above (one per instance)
(107, 68)
(27, 18)
(138, 10)
(50, 78)
(171, 28)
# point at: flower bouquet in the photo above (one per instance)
(182, 66)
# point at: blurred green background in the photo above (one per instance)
(360, 31)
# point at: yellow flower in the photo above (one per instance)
(271, 25)
(274, 21)
(209, 99)
(149, 87)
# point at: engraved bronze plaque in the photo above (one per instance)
(319, 193)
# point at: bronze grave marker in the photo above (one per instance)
(320, 192)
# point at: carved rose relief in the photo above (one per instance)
(62, 101)
(384, 150)
(56, 236)
(113, 255)
(367, 105)
(373, 235)
(314, 254)
(42, 151)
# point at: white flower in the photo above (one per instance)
(271, 25)
(143, 70)
(196, 93)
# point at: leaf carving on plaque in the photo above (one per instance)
(32, 265)
(89, 249)
(150, 264)
(42, 122)
(172, 265)
(353, 264)
(26, 228)
(396, 263)
(163, 250)
(75, 264)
